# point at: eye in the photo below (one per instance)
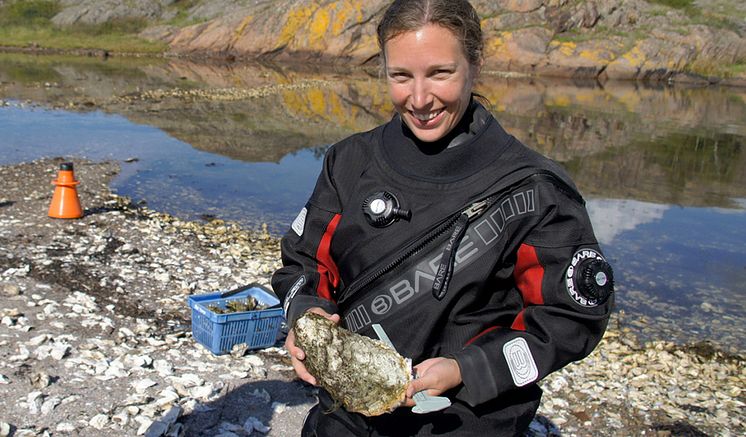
(442, 73)
(398, 76)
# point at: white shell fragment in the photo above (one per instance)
(143, 384)
(84, 316)
(99, 421)
(253, 424)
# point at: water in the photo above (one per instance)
(663, 169)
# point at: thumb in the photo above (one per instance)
(415, 386)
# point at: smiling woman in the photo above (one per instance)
(474, 253)
(430, 80)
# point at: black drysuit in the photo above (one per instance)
(511, 276)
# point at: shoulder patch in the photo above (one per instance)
(589, 279)
(299, 223)
(520, 362)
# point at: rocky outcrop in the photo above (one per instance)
(630, 39)
(102, 11)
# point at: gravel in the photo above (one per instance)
(95, 335)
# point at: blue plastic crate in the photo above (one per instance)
(220, 332)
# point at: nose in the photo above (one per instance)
(421, 96)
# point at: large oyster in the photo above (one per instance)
(366, 376)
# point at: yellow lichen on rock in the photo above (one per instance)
(295, 20)
(567, 48)
(635, 57)
(319, 25)
(242, 26)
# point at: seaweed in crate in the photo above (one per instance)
(238, 305)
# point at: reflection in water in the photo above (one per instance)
(612, 217)
(663, 169)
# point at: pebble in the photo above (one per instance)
(132, 345)
(11, 290)
(65, 427)
(143, 384)
(253, 424)
(99, 421)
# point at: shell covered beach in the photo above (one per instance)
(96, 336)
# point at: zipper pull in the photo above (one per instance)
(477, 208)
(445, 270)
(447, 261)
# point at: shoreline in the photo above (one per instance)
(96, 339)
(684, 78)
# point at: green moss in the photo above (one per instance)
(68, 39)
(118, 26)
(708, 68)
(28, 13)
(677, 4)
(24, 23)
(182, 17)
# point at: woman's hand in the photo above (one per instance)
(297, 355)
(436, 375)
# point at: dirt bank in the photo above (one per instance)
(96, 340)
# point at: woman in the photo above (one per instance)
(473, 252)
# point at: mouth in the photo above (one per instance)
(426, 119)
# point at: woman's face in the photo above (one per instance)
(430, 80)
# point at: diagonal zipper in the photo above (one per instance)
(459, 222)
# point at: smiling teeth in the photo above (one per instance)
(426, 117)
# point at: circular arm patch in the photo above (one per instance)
(589, 278)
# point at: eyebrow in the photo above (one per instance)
(452, 66)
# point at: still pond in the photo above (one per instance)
(663, 169)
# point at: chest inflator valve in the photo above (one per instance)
(382, 209)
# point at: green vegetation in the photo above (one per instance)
(717, 70)
(24, 23)
(182, 13)
(678, 4)
(28, 13)
(599, 32)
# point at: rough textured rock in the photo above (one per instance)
(101, 11)
(365, 375)
(632, 39)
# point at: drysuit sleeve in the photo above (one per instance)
(309, 275)
(566, 287)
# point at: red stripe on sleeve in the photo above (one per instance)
(327, 268)
(528, 275)
(492, 328)
(518, 323)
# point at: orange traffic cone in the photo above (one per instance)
(65, 203)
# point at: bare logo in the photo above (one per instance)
(571, 283)
(300, 222)
(479, 237)
(293, 291)
(520, 362)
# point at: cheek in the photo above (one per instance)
(398, 94)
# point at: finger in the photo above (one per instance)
(293, 350)
(302, 372)
(414, 387)
(320, 311)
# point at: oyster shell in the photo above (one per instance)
(365, 375)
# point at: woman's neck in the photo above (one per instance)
(471, 122)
